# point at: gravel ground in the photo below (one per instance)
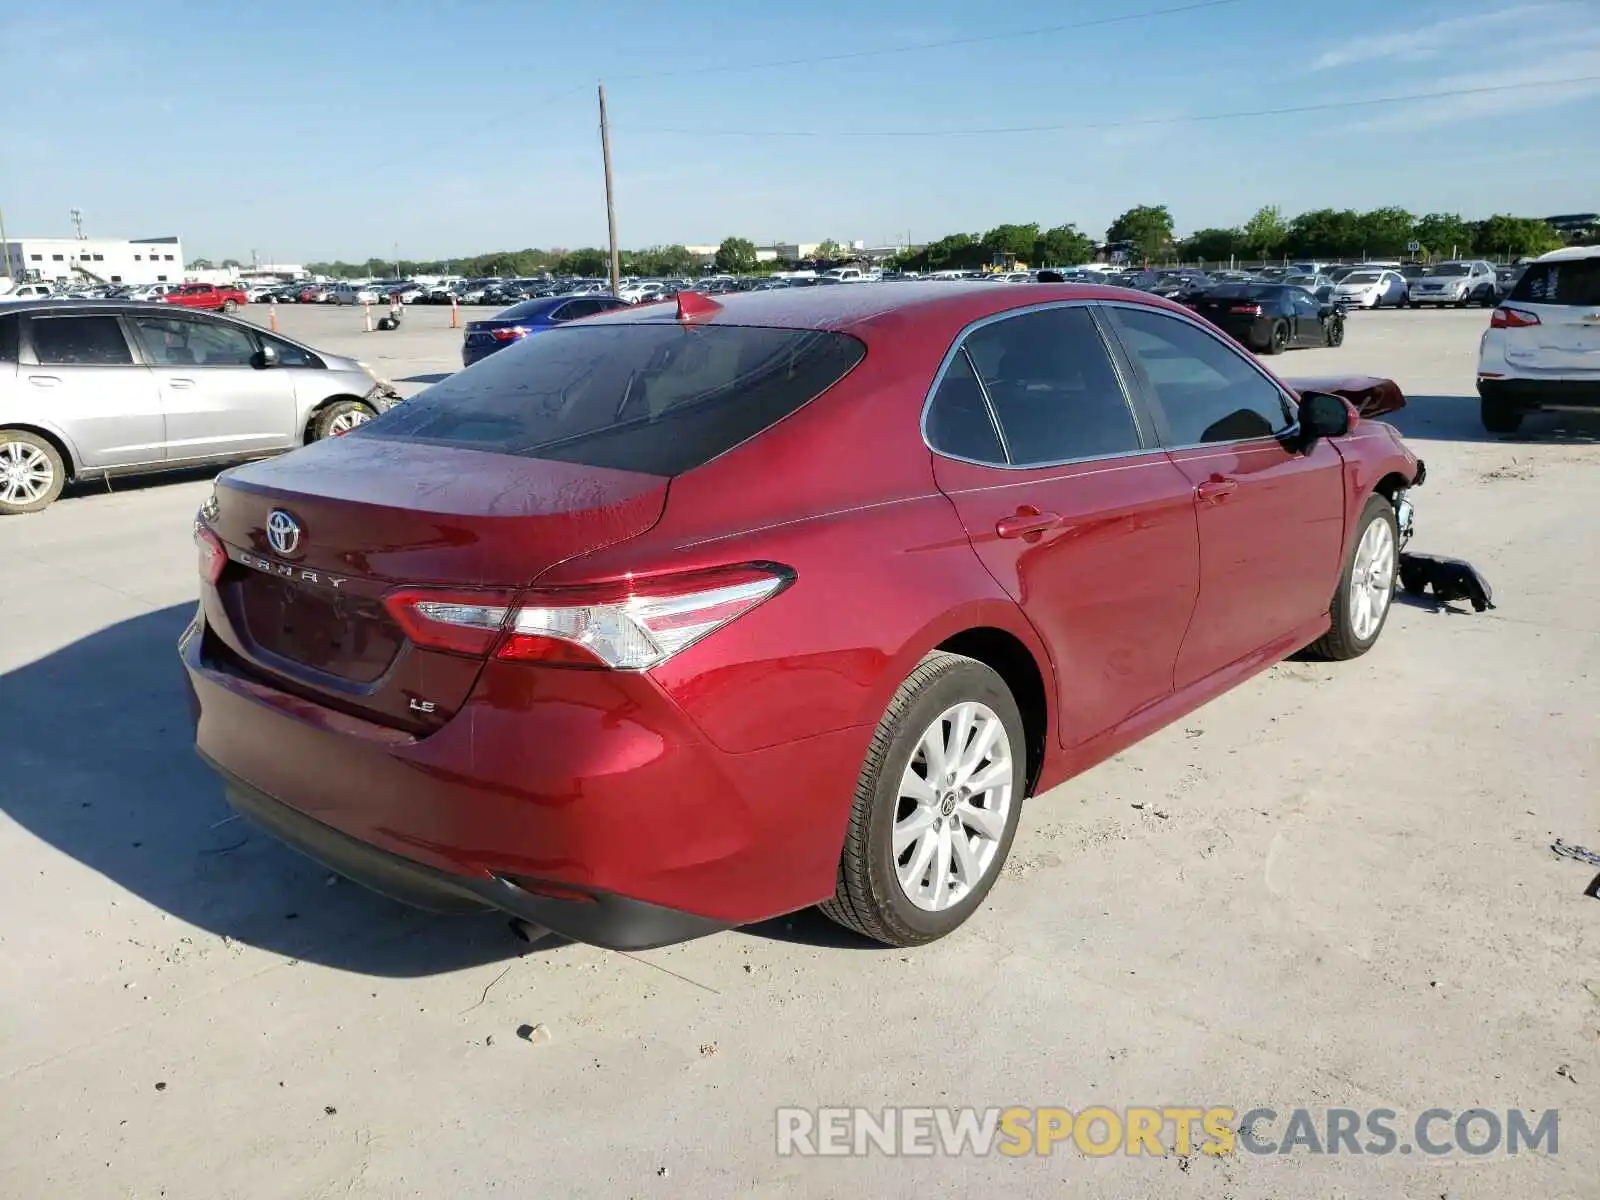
(1330, 888)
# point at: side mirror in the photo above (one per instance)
(265, 357)
(1322, 415)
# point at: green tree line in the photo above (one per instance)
(1145, 234)
(1144, 231)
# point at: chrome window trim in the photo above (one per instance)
(959, 346)
(1291, 405)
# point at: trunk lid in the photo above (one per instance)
(369, 516)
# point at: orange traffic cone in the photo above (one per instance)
(366, 314)
(272, 317)
(455, 313)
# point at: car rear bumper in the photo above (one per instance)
(588, 804)
(1543, 393)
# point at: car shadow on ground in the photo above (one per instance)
(1457, 419)
(434, 377)
(100, 765)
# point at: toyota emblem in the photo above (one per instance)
(283, 531)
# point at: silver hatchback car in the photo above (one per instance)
(93, 389)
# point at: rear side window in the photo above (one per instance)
(80, 341)
(959, 423)
(657, 398)
(1575, 281)
(8, 339)
(1054, 391)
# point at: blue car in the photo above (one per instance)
(511, 325)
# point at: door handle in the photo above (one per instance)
(1217, 488)
(1028, 522)
(44, 380)
(180, 383)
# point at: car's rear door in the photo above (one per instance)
(78, 373)
(217, 402)
(1071, 505)
(1271, 516)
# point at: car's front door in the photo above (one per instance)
(217, 402)
(1307, 319)
(78, 373)
(1271, 515)
(1071, 505)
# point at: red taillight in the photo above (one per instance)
(628, 626)
(1512, 318)
(510, 334)
(468, 623)
(1246, 310)
(213, 555)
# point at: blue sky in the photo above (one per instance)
(309, 129)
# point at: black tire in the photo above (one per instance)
(1341, 641)
(1278, 339)
(1335, 332)
(326, 423)
(52, 460)
(229, 306)
(1490, 298)
(869, 898)
(1500, 415)
(1405, 300)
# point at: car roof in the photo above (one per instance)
(861, 306)
(1569, 252)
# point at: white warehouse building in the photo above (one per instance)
(96, 260)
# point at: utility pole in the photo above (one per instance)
(611, 204)
(77, 220)
(5, 248)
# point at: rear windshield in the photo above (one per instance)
(1575, 281)
(1362, 277)
(1444, 270)
(657, 398)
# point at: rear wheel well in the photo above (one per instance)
(61, 447)
(1008, 657)
(311, 417)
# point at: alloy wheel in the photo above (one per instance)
(1372, 580)
(26, 473)
(346, 421)
(954, 800)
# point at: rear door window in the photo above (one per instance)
(80, 341)
(1054, 391)
(959, 421)
(177, 342)
(1573, 282)
(658, 398)
(8, 338)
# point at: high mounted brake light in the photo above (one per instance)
(629, 627)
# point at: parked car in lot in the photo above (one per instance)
(483, 338)
(1372, 289)
(1542, 348)
(1458, 283)
(1318, 285)
(103, 388)
(351, 293)
(28, 291)
(1272, 317)
(207, 296)
(151, 291)
(676, 619)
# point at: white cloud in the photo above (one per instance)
(1480, 34)
(1530, 88)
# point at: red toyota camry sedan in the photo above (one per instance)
(683, 617)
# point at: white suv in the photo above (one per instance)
(1542, 347)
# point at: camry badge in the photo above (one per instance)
(283, 531)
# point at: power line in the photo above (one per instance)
(915, 47)
(1185, 120)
